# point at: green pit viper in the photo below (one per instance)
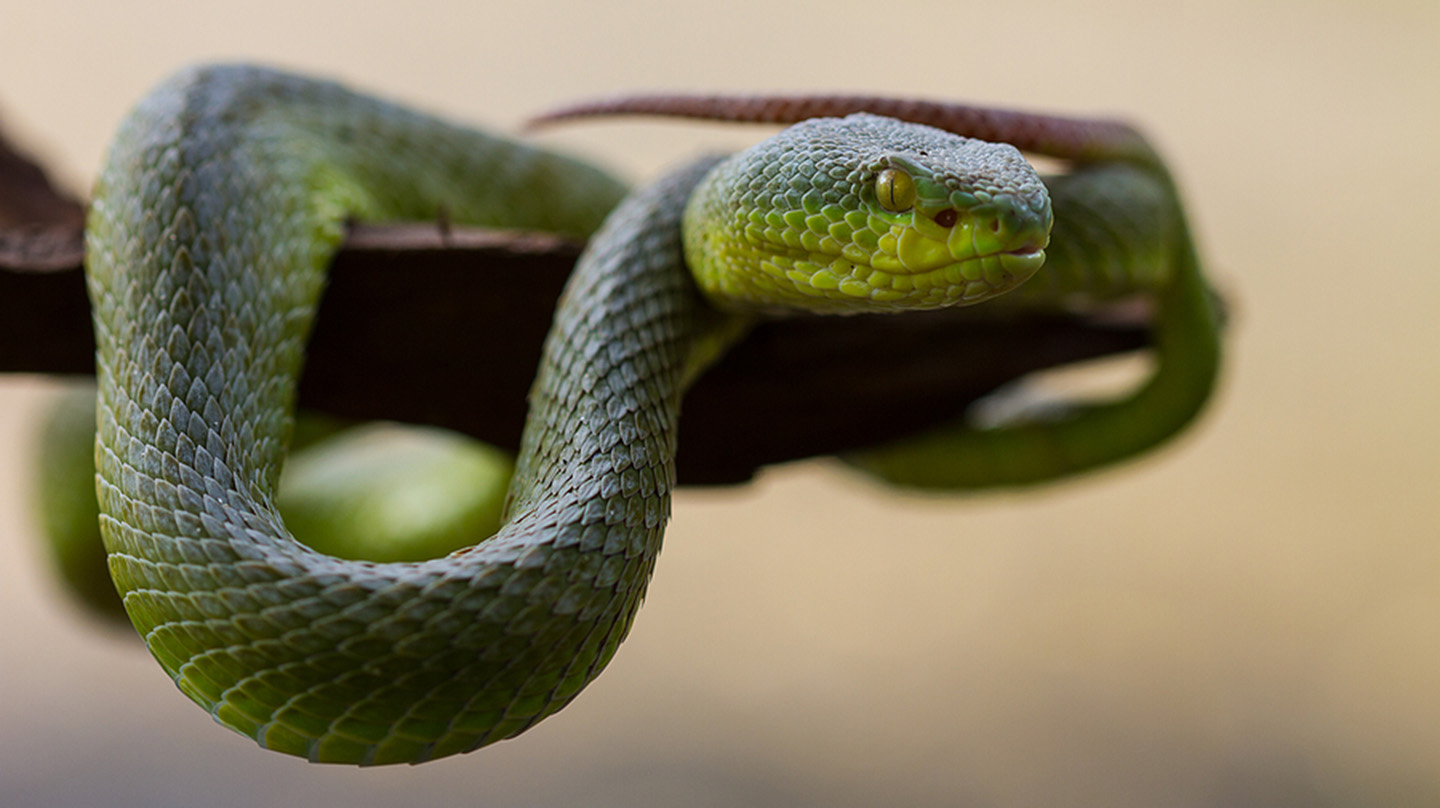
(228, 189)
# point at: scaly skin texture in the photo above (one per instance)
(794, 222)
(224, 196)
(210, 230)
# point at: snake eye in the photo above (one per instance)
(895, 190)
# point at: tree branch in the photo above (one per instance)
(411, 328)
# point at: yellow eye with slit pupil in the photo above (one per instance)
(895, 190)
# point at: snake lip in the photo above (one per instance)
(1018, 265)
(1023, 252)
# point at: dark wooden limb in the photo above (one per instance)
(416, 326)
(27, 196)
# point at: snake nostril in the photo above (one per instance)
(995, 226)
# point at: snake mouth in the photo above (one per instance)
(1020, 265)
(956, 283)
(907, 270)
(1024, 261)
(996, 273)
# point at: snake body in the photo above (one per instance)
(223, 197)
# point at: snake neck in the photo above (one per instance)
(631, 310)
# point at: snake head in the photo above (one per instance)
(865, 213)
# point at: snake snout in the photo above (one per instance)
(1015, 230)
(1015, 226)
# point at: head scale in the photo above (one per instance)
(865, 213)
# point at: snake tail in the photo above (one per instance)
(1082, 140)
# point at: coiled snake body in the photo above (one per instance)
(225, 194)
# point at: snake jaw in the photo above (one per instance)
(911, 263)
(933, 256)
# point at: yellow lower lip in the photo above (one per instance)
(1022, 263)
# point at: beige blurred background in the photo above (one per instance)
(1250, 618)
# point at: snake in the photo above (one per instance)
(224, 195)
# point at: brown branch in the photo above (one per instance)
(27, 196)
(411, 329)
